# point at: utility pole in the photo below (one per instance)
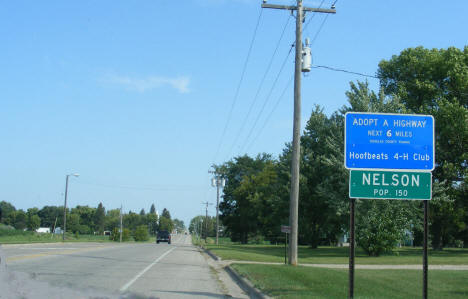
(65, 204)
(120, 224)
(206, 218)
(217, 182)
(294, 196)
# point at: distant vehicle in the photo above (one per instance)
(163, 236)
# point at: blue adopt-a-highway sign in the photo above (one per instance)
(389, 141)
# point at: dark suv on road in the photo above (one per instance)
(163, 236)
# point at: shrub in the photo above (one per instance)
(141, 233)
(115, 235)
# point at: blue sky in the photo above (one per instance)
(135, 95)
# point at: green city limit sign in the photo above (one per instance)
(390, 184)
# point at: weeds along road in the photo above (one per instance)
(129, 270)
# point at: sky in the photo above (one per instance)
(141, 98)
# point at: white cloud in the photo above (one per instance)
(151, 82)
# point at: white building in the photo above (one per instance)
(43, 230)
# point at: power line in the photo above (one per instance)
(345, 71)
(320, 29)
(267, 98)
(238, 85)
(174, 188)
(260, 85)
(270, 114)
(274, 84)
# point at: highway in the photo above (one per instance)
(113, 270)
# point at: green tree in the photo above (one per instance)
(252, 197)
(112, 219)
(166, 213)
(5, 209)
(435, 81)
(179, 225)
(152, 222)
(73, 222)
(152, 209)
(33, 220)
(100, 218)
(50, 216)
(18, 219)
(141, 233)
(165, 224)
(132, 220)
(86, 216)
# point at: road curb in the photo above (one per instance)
(245, 284)
(211, 254)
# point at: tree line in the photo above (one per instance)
(255, 201)
(87, 220)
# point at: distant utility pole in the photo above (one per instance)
(294, 196)
(217, 182)
(206, 218)
(65, 204)
(120, 224)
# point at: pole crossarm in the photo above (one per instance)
(289, 7)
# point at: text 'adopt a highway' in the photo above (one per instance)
(389, 141)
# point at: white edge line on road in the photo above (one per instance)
(128, 284)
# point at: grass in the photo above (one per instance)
(307, 282)
(21, 237)
(337, 255)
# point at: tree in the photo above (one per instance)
(436, 82)
(112, 219)
(6, 209)
(73, 222)
(100, 218)
(18, 219)
(152, 209)
(179, 225)
(152, 222)
(50, 216)
(33, 221)
(87, 216)
(165, 224)
(142, 212)
(252, 197)
(165, 213)
(132, 220)
(141, 233)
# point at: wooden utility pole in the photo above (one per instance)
(121, 228)
(206, 218)
(294, 196)
(217, 182)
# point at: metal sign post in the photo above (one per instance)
(352, 203)
(426, 214)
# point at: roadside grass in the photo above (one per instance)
(337, 255)
(33, 237)
(307, 282)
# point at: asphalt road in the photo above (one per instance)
(111, 270)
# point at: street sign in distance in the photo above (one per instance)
(380, 184)
(389, 141)
(285, 229)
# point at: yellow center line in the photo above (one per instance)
(61, 252)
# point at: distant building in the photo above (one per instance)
(43, 230)
(58, 231)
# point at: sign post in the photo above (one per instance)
(390, 156)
